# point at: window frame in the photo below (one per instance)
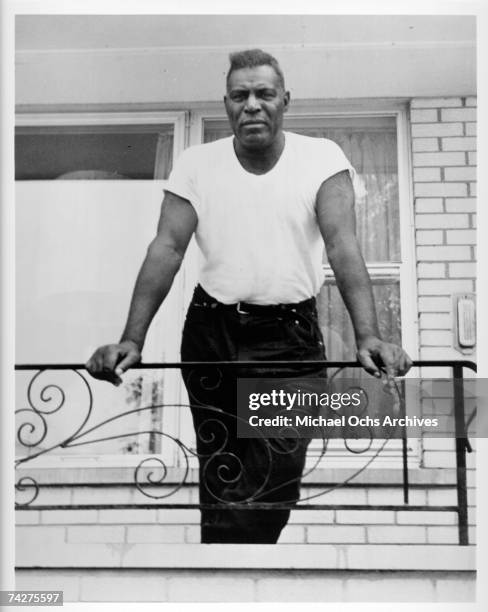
(179, 120)
(406, 267)
(101, 118)
(404, 271)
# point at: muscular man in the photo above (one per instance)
(262, 204)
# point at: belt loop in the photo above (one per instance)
(238, 308)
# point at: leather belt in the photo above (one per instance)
(202, 298)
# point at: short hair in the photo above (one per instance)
(251, 58)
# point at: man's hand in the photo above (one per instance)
(109, 362)
(376, 355)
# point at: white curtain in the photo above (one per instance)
(373, 154)
(164, 156)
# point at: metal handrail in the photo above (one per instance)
(462, 443)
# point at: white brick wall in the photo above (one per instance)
(255, 585)
(444, 177)
(443, 134)
(162, 526)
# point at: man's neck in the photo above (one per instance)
(260, 161)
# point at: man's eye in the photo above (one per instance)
(268, 95)
(237, 97)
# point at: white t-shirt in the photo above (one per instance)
(258, 233)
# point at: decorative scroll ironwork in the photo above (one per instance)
(221, 468)
(27, 484)
(48, 399)
(42, 404)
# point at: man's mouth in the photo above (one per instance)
(256, 122)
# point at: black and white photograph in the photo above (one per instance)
(220, 217)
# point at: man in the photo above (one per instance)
(261, 204)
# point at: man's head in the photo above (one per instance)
(256, 98)
(251, 58)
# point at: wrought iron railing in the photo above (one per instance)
(47, 399)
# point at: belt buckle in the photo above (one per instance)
(238, 308)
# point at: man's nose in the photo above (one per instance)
(252, 104)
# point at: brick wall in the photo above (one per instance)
(166, 585)
(153, 554)
(139, 526)
(444, 181)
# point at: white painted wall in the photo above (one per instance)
(165, 76)
(170, 59)
(85, 31)
(76, 267)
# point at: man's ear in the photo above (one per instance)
(225, 104)
(286, 101)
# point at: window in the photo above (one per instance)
(72, 291)
(98, 146)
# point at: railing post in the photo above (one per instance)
(403, 410)
(460, 431)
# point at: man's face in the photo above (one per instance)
(255, 103)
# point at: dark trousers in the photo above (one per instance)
(239, 470)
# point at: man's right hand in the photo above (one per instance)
(110, 361)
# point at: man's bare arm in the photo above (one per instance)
(177, 223)
(336, 218)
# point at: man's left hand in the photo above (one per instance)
(376, 356)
